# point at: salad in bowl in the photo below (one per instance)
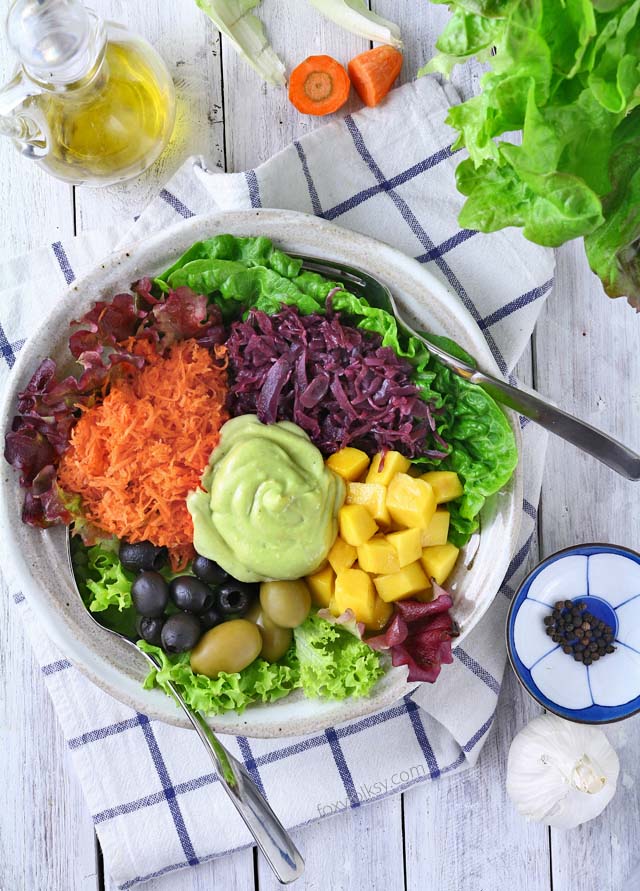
(266, 481)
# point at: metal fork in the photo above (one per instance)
(587, 438)
(270, 835)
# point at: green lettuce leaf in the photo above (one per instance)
(250, 251)
(104, 584)
(567, 74)
(106, 579)
(260, 682)
(612, 250)
(483, 452)
(333, 663)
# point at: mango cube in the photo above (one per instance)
(342, 555)
(348, 463)
(445, 484)
(411, 502)
(392, 463)
(437, 532)
(439, 561)
(382, 613)
(373, 496)
(403, 584)
(321, 585)
(356, 524)
(407, 545)
(355, 591)
(378, 556)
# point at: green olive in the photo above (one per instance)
(275, 640)
(254, 613)
(228, 647)
(286, 603)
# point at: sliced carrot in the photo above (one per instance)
(319, 85)
(135, 457)
(372, 73)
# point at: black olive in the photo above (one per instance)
(234, 598)
(208, 571)
(142, 555)
(181, 632)
(190, 594)
(150, 629)
(150, 594)
(210, 618)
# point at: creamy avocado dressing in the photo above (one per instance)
(268, 508)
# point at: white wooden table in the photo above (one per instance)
(460, 834)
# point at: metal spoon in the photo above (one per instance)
(587, 438)
(270, 835)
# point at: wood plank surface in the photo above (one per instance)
(460, 834)
(586, 357)
(46, 833)
(259, 119)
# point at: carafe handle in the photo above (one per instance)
(16, 122)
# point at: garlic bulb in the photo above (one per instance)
(561, 773)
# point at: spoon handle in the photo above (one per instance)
(270, 835)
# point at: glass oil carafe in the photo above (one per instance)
(90, 102)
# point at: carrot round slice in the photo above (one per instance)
(319, 85)
(373, 72)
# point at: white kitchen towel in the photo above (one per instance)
(387, 172)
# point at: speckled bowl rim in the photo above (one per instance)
(293, 231)
(552, 558)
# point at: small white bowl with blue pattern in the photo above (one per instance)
(607, 579)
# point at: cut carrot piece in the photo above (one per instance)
(319, 85)
(373, 73)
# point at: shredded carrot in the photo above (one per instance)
(134, 458)
(318, 86)
(373, 72)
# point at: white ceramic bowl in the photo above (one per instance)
(40, 556)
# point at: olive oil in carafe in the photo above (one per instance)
(90, 102)
(117, 124)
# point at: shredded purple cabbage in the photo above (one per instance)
(336, 382)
